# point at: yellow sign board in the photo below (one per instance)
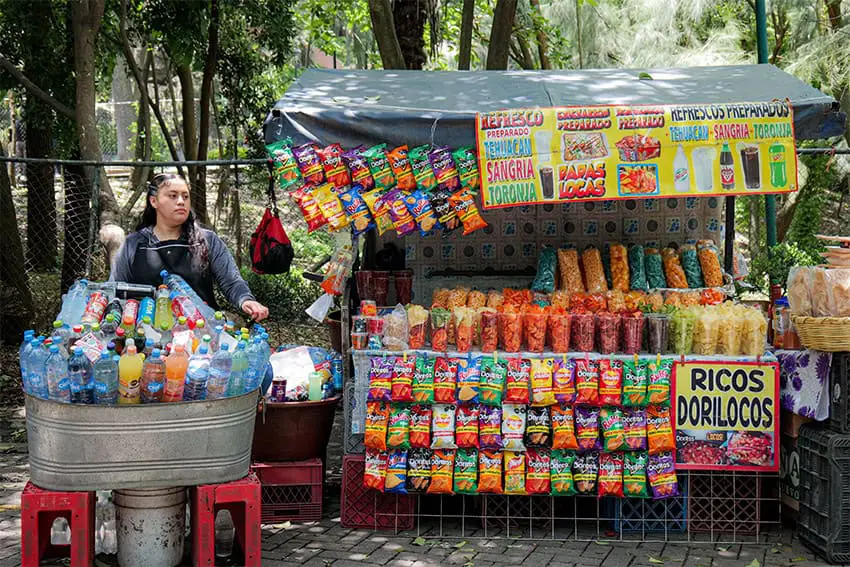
(565, 154)
(726, 415)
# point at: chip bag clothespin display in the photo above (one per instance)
(284, 165)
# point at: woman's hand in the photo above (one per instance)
(255, 310)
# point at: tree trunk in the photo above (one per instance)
(199, 189)
(464, 56)
(527, 60)
(409, 17)
(383, 30)
(16, 305)
(756, 217)
(42, 241)
(833, 11)
(542, 41)
(500, 34)
(139, 175)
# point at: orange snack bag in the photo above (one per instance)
(514, 472)
(594, 272)
(401, 168)
(563, 428)
(420, 427)
(510, 328)
(377, 419)
(569, 272)
(490, 472)
(610, 382)
(402, 378)
(673, 269)
(534, 327)
(516, 388)
(659, 430)
(619, 267)
(445, 381)
(463, 202)
(442, 466)
(611, 474)
(559, 330)
(375, 473)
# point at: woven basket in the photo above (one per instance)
(829, 334)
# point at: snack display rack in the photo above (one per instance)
(713, 504)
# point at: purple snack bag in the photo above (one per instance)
(587, 429)
(661, 471)
(634, 424)
(309, 164)
(490, 427)
(358, 167)
(444, 168)
(403, 221)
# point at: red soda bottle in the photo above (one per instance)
(95, 308)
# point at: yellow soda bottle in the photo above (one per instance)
(129, 376)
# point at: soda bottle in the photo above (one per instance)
(200, 333)
(120, 340)
(681, 173)
(337, 372)
(80, 378)
(239, 368)
(56, 371)
(94, 308)
(140, 340)
(163, 317)
(128, 317)
(129, 375)
(221, 367)
(175, 374)
(778, 173)
(727, 167)
(35, 382)
(177, 283)
(153, 378)
(149, 348)
(74, 303)
(116, 310)
(76, 333)
(23, 352)
(106, 379)
(181, 305)
(197, 375)
(147, 308)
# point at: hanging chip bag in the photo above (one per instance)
(442, 466)
(468, 380)
(634, 476)
(404, 369)
(634, 383)
(537, 479)
(513, 426)
(421, 166)
(490, 428)
(446, 215)
(490, 472)
(423, 380)
(538, 428)
(398, 430)
(400, 166)
(610, 382)
(403, 221)
(613, 429)
(586, 472)
(375, 473)
(564, 380)
(659, 430)
(611, 474)
(379, 165)
(331, 206)
(542, 394)
(443, 426)
(493, 374)
(380, 378)
(420, 427)
(444, 168)
(634, 423)
(466, 427)
(467, 167)
(335, 171)
(420, 208)
(466, 471)
(374, 199)
(587, 429)
(445, 381)
(377, 418)
(658, 378)
(463, 203)
(309, 163)
(356, 210)
(310, 210)
(514, 464)
(418, 470)
(563, 427)
(284, 164)
(661, 472)
(358, 168)
(396, 482)
(518, 376)
(561, 473)
(587, 382)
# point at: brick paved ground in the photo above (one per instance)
(327, 543)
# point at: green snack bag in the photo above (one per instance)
(654, 268)
(634, 475)
(493, 375)
(422, 171)
(634, 383)
(561, 473)
(658, 381)
(423, 380)
(466, 471)
(284, 164)
(379, 165)
(398, 429)
(467, 167)
(637, 270)
(690, 264)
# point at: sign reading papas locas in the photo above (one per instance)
(726, 415)
(564, 154)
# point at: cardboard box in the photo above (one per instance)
(790, 423)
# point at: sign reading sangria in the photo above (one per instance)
(726, 415)
(564, 154)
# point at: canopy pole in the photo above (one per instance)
(761, 42)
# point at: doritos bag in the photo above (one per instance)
(271, 250)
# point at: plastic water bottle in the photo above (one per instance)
(129, 375)
(76, 333)
(23, 352)
(221, 368)
(109, 326)
(256, 365)
(63, 330)
(216, 337)
(106, 379)
(239, 369)
(197, 375)
(182, 306)
(56, 372)
(153, 378)
(35, 383)
(80, 375)
(163, 316)
(74, 303)
(177, 283)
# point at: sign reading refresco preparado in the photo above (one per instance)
(726, 415)
(565, 154)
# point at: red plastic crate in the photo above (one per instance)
(364, 508)
(292, 491)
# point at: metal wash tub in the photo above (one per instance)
(89, 447)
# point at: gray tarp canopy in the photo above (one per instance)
(420, 107)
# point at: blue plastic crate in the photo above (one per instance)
(645, 515)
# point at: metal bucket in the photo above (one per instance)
(88, 447)
(150, 526)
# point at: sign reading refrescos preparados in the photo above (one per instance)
(564, 154)
(726, 415)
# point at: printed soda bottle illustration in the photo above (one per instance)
(681, 172)
(751, 165)
(778, 173)
(727, 168)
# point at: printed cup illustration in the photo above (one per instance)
(703, 160)
(543, 145)
(750, 165)
(547, 181)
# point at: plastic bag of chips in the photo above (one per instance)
(537, 479)
(561, 473)
(518, 377)
(634, 383)
(634, 476)
(547, 265)
(375, 473)
(467, 167)
(445, 380)
(514, 465)
(594, 272)
(661, 471)
(611, 474)
(309, 163)
(587, 381)
(310, 210)
(420, 427)
(490, 428)
(619, 267)
(659, 430)
(634, 423)
(423, 380)
(690, 264)
(541, 382)
(564, 380)
(558, 327)
(489, 329)
(440, 323)
(356, 210)
(654, 269)
(380, 210)
(443, 426)
(466, 427)
(710, 263)
(284, 165)
(403, 221)
(613, 429)
(569, 272)
(444, 168)
(380, 378)
(418, 470)
(585, 472)
(464, 325)
(534, 328)
(442, 466)
(658, 381)
(331, 206)
(637, 268)
(510, 328)
(493, 374)
(420, 207)
(421, 165)
(468, 380)
(490, 472)
(404, 369)
(377, 418)
(587, 429)
(379, 165)
(400, 166)
(336, 173)
(463, 203)
(446, 215)
(398, 430)
(466, 471)
(563, 427)
(513, 426)
(358, 168)
(673, 271)
(538, 428)
(610, 382)
(396, 479)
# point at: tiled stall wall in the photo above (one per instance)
(515, 236)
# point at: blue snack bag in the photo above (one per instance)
(356, 210)
(420, 208)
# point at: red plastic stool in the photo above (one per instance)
(39, 509)
(242, 499)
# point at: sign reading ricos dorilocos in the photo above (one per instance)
(565, 154)
(726, 415)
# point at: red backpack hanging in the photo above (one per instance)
(271, 250)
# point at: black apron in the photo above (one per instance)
(174, 256)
